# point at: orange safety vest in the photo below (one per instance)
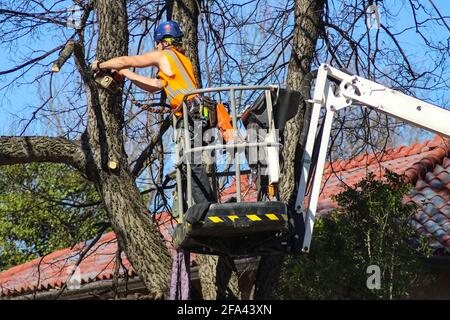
(183, 79)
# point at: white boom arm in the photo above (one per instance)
(354, 89)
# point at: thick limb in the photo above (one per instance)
(16, 150)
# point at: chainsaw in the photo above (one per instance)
(109, 80)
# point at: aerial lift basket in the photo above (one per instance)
(237, 228)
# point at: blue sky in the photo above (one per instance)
(21, 100)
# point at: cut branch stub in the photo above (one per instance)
(64, 55)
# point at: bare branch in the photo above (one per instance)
(38, 16)
(140, 161)
(440, 15)
(80, 259)
(23, 65)
(405, 58)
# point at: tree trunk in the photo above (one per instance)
(218, 278)
(308, 21)
(186, 12)
(136, 234)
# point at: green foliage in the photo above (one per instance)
(371, 227)
(42, 209)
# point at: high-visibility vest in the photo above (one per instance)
(183, 79)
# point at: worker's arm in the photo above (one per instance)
(145, 83)
(152, 58)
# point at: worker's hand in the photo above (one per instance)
(94, 66)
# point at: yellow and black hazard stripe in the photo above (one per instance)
(251, 217)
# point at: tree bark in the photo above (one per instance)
(14, 150)
(307, 26)
(186, 12)
(308, 20)
(135, 231)
(218, 278)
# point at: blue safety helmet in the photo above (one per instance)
(168, 28)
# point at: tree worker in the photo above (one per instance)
(176, 77)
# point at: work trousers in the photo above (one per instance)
(201, 188)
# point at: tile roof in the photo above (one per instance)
(53, 270)
(426, 165)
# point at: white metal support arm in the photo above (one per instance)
(394, 103)
(355, 90)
